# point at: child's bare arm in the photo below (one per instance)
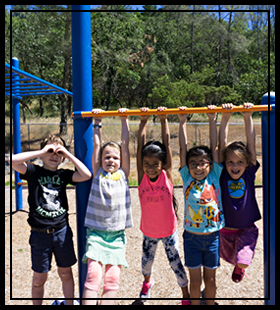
(19, 160)
(165, 134)
(96, 154)
(213, 134)
(250, 132)
(82, 174)
(183, 137)
(223, 132)
(141, 142)
(125, 143)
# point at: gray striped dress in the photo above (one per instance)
(109, 203)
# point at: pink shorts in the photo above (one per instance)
(238, 246)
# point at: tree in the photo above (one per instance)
(115, 36)
(44, 50)
(162, 57)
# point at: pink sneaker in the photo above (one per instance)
(146, 288)
(186, 303)
(238, 274)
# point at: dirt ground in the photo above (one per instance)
(131, 278)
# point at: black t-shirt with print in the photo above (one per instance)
(48, 206)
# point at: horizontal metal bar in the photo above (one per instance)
(40, 94)
(24, 89)
(119, 124)
(13, 95)
(89, 114)
(35, 78)
(34, 91)
(15, 81)
(29, 84)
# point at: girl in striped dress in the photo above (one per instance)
(108, 214)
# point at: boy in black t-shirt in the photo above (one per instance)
(48, 212)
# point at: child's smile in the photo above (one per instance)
(152, 166)
(111, 159)
(199, 167)
(235, 165)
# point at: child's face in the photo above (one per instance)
(51, 160)
(235, 165)
(152, 166)
(111, 159)
(199, 167)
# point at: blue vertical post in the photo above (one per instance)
(268, 163)
(16, 134)
(83, 134)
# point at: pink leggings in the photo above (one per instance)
(94, 276)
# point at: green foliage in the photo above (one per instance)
(165, 58)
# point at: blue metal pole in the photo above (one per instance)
(17, 139)
(83, 133)
(268, 163)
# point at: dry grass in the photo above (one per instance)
(112, 133)
(131, 278)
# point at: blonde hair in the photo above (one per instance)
(112, 144)
(239, 149)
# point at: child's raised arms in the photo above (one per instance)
(249, 129)
(165, 135)
(142, 141)
(213, 134)
(96, 154)
(125, 156)
(250, 132)
(183, 135)
(223, 132)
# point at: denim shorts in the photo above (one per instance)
(43, 245)
(202, 250)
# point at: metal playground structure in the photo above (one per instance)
(83, 137)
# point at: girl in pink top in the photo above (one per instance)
(158, 215)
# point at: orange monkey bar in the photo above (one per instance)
(80, 114)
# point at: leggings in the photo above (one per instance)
(171, 247)
(94, 276)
